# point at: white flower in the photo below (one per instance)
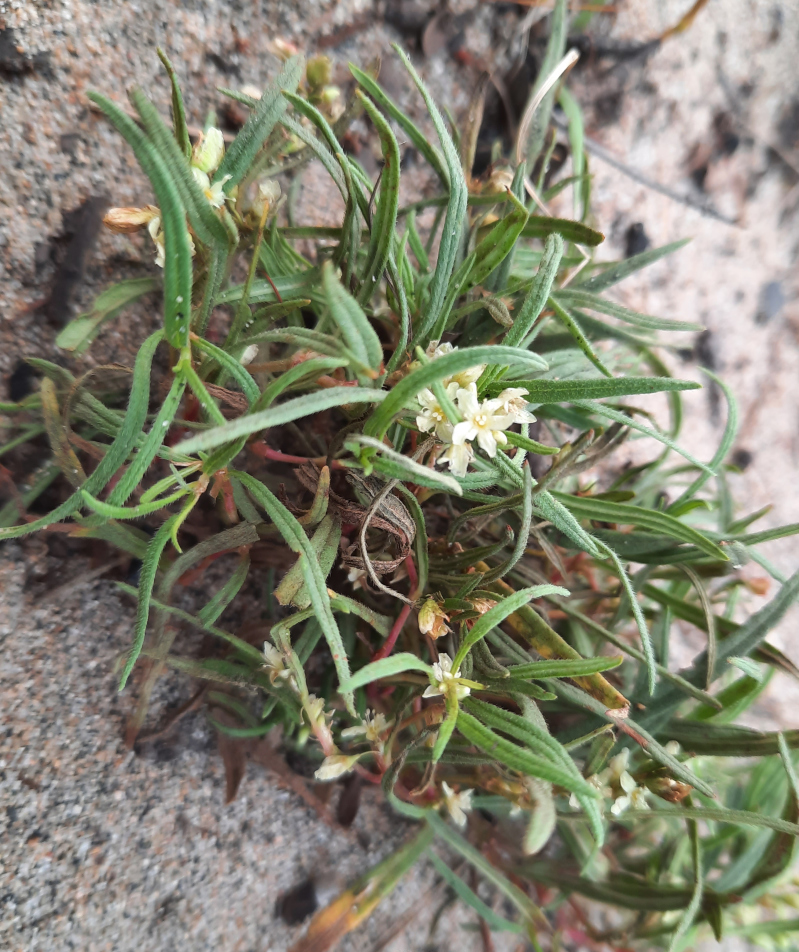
(634, 796)
(595, 780)
(616, 776)
(458, 458)
(275, 663)
(464, 377)
(432, 416)
(512, 403)
(371, 727)
(432, 620)
(484, 421)
(248, 355)
(214, 193)
(335, 766)
(457, 804)
(356, 576)
(315, 709)
(157, 234)
(208, 151)
(446, 681)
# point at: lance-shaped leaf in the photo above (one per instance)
(259, 124)
(414, 133)
(384, 668)
(283, 413)
(384, 221)
(82, 330)
(204, 220)
(455, 214)
(356, 329)
(324, 542)
(177, 250)
(295, 537)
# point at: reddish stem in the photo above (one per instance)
(388, 645)
(262, 450)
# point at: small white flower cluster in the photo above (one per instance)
(446, 682)
(456, 804)
(615, 777)
(205, 159)
(484, 421)
(372, 728)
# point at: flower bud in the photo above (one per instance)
(283, 49)
(267, 197)
(208, 151)
(432, 620)
(318, 71)
(669, 789)
(501, 179)
(127, 220)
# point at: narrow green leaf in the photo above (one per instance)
(417, 137)
(259, 124)
(134, 512)
(618, 272)
(177, 260)
(295, 537)
(412, 471)
(541, 226)
(384, 221)
(204, 220)
(496, 615)
(276, 416)
(601, 410)
(585, 507)
(384, 668)
(178, 109)
(82, 330)
(539, 291)
(132, 476)
(593, 302)
(564, 669)
(146, 583)
(455, 214)
(471, 898)
(579, 338)
(356, 329)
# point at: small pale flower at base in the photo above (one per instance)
(457, 804)
(513, 403)
(336, 765)
(457, 457)
(371, 728)
(275, 664)
(447, 682)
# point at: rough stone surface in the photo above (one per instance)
(106, 850)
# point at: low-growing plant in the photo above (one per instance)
(416, 414)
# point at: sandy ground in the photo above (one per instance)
(103, 849)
